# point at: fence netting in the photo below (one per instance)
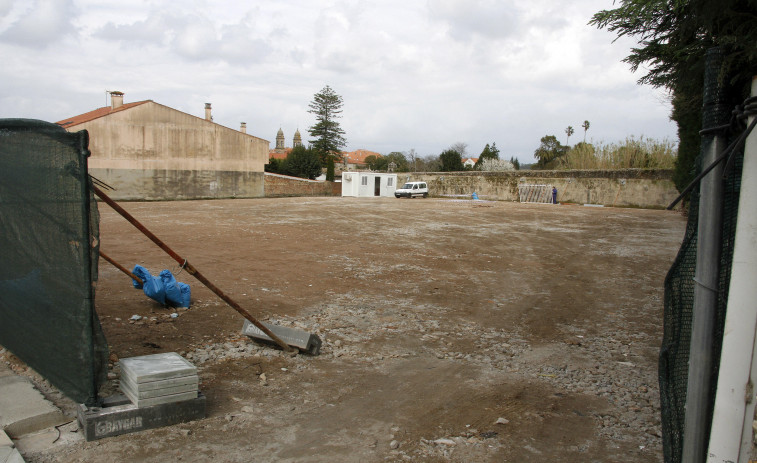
(49, 249)
(679, 289)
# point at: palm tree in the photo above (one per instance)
(570, 132)
(585, 126)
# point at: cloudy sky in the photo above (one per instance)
(421, 74)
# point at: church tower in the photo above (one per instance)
(280, 140)
(297, 139)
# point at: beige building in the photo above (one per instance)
(150, 151)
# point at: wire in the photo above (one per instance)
(738, 116)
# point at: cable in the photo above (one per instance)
(739, 115)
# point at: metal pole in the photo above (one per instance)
(731, 438)
(121, 268)
(709, 231)
(191, 270)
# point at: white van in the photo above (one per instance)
(411, 189)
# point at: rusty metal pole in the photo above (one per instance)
(121, 268)
(191, 270)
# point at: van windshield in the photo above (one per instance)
(407, 186)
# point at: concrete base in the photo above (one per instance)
(306, 342)
(119, 416)
(23, 409)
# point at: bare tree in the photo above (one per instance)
(461, 148)
(412, 157)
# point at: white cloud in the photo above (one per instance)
(418, 75)
(39, 23)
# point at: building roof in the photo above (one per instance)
(474, 160)
(358, 156)
(279, 155)
(99, 112)
(108, 110)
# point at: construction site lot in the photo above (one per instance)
(453, 330)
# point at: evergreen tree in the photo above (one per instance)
(485, 154)
(673, 39)
(549, 150)
(495, 150)
(330, 169)
(303, 162)
(328, 136)
(451, 161)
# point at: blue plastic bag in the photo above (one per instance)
(152, 286)
(177, 294)
(164, 288)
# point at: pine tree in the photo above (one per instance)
(328, 136)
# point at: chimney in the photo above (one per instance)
(208, 117)
(243, 127)
(116, 100)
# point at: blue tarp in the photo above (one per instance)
(164, 288)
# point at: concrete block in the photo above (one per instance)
(100, 422)
(23, 409)
(155, 367)
(164, 399)
(309, 343)
(10, 455)
(131, 390)
(191, 382)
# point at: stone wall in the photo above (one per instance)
(625, 188)
(167, 185)
(281, 185)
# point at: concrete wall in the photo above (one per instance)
(282, 185)
(167, 185)
(154, 137)
(627, 187)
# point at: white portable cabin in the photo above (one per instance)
(365, 184)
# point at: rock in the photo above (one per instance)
(445, 442)
(394, 445)
(135, 317)
(501, 421)
(248, 409)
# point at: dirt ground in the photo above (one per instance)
(452, 330)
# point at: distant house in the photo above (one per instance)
(146, 150)
(470, 162)
(367, 184)
(355, 160)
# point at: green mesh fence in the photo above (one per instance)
(49, 250)
(679, 283)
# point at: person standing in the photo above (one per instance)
(554, 195)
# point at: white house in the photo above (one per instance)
(470, 162)
(364, 184)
